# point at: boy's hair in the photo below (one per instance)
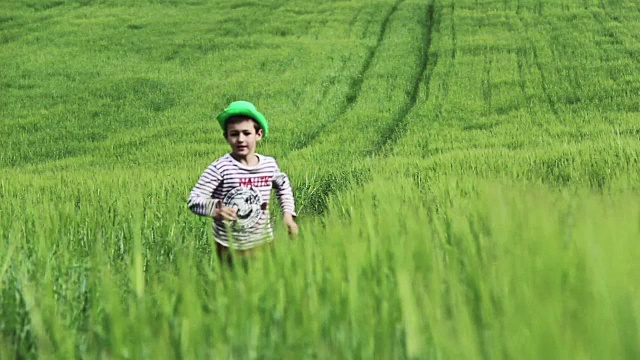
(240, 118)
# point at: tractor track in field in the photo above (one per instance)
(486, 81)
(428, 61)
(356, 83)
(437, 108)
(543, 82)
(543, 77)
(520, 59)
(539, 7)
(327, 186)
(454, 36)
(522, 84)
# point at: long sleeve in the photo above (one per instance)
(284, 192)
(201, 200)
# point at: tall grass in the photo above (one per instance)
(466, 175)
(455, 269)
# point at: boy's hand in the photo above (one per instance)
(225, 213)
(291, 225)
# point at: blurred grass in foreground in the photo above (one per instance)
(459, 269)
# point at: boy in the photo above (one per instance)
(235, 188)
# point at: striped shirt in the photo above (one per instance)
(228, 183)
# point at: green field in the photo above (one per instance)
(467, 177)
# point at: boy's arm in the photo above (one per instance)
(201, 201)
(284, 193)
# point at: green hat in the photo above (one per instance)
(243, 108)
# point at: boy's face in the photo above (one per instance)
(242, 137)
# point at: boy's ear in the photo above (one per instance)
(260, 134)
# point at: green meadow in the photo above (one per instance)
(466, 173)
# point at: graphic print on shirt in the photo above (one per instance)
(255, 181)
(248, 203)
